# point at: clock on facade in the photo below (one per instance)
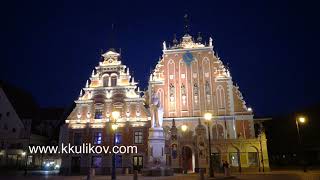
(188, 58)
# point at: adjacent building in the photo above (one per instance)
(111, 89)
(17, 109)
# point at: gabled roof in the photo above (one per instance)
(21, 100)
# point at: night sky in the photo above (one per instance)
(272, 47)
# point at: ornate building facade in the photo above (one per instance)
(188, 81)
(111, 89)
(191, 80)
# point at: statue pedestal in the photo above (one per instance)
(156, 154)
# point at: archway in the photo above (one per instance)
(216, 159)
(234, 158)
(253, 156)
(187, 159)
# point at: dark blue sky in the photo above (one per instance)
(51, 47)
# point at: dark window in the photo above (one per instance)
(0, 115)
(13, 129)
(114, 81)
(77, 139)
(138, 137)
(96, 161)
(5, 126)
(253, 159)
(98, 114)
(118, 161)
(105, 81)
(8, 113)
(118, 138)
(97, 139)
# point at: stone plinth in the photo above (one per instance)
(156, 155)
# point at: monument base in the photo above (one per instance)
(156, 161)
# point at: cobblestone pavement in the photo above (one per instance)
(257, 176)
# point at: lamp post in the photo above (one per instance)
(301, 120)
(208, 117)
(261, 151)
(184, 129)
(114, 127)
(24, 154)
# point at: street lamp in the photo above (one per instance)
(184, 129)
(301, 120)
(114, 127)
(208, 117)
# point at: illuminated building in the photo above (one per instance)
(110, 89)
(191, 80)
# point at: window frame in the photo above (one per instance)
(139, 136)
(95, 136)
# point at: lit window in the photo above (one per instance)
(138, 137)
(98, 114)
(97, 138)
(138, 161)
(234, 159)
(118, 138)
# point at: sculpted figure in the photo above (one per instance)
(156, 111)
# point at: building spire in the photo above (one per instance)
(112, 38)
(186, 24)
(199, 38)
(173, 123)
(175, 41)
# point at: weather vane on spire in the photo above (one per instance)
(186, 24)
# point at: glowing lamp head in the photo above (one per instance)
(115, 114)
(208, 116)
(184, 128)
(23, 153)
(302, 119)
(249, 109)
(114, 127)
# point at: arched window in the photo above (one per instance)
(221, 102)
(105, 80)
(113, 81)
(253, 157)
(234, 157)
(217, 131)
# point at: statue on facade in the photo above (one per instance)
(156, 111)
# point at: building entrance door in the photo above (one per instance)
(75, 165)
(187, 158)
(216, 162)
(137, 162)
